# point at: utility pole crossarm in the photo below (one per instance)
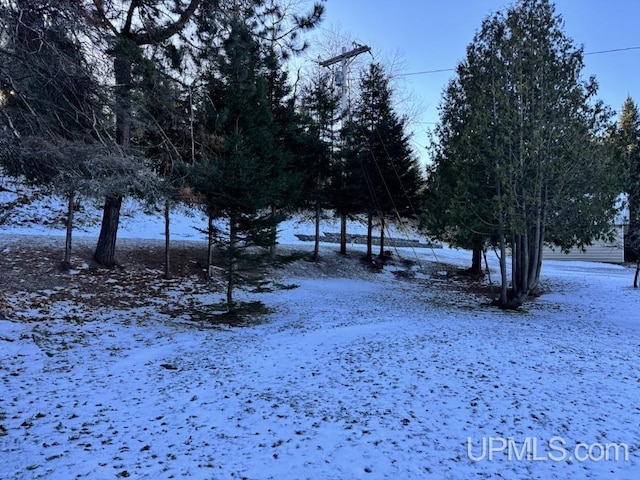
(346, 55)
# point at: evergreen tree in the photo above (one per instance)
(132, 29)
(53, 106)
(628, 138)
(348, 192)
(534, 136)
(320, 105)
(235, 172)
(391, 171)
(628, 141)
(136, 29)
(164, 136)
(458, 207)
(288, 179)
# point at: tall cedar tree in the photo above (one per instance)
(628, 141)
(391, 171)
(458, 207)
(534, 136)
(628, 138)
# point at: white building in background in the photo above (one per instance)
(600, 250)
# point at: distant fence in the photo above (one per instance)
(360, 239)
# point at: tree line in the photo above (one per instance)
(192, 102)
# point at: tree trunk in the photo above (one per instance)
(515, 252)
(635, 277)
(504, 292)
(382, 227)
(523, 289)
(167, 239)
(343, 234)
(538, 242)
(233, 265)
(106, 249)
(66, 263)
(504, 288)
(520, 260)
(476, 261)
(209, 246)
(369, 236)
(273, 234)
(316, 240)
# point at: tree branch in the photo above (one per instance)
(103, 16)
(161, 34)
(127, 23)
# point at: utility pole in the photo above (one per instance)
(342, 82)
(341, 76)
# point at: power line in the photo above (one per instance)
(424, 72)
(612, 50)
(441, 70)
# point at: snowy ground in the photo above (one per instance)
(370, 376)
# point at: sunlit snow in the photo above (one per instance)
(377, 377)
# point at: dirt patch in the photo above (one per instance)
(33, 285)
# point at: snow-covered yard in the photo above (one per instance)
(369, 375)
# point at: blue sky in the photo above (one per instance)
(433, 35)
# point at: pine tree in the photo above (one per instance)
(235, 172)
(164, 135)
(132, 29)
(53, 105)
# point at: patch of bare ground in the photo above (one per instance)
(33, 282)
(34, 286)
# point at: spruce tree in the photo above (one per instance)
(391, 171)
(287, 179)
(320, 106)
(348, 193)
